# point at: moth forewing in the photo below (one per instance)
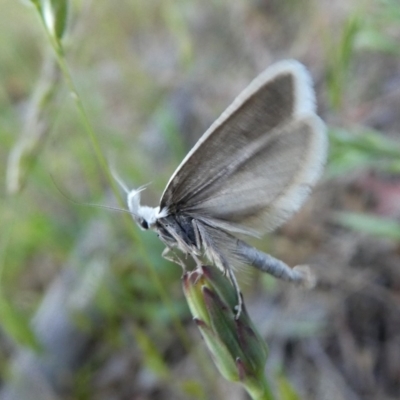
(281, 92)
(310, 170)
(266, 184)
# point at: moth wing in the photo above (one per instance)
(254, 167)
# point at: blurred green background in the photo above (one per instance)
(88, 308)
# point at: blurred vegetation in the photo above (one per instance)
(132, 84)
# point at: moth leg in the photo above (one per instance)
(197, 236)
(173, 258)
(196, 259)
(197, 244)
(220, 261)
(235, 284)
(228, 271)
(300, 274)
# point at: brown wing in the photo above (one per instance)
(253, 168)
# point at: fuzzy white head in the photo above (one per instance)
(144, 216)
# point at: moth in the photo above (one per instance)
(248, 174)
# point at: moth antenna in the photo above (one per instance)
(79, 203)
(119, 180)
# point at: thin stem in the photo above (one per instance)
(59, 53)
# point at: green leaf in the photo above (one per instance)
(220, 352)
(55, 16)
(339, 56)
(285, 389)
(370, 224)
(14, 323)
(36, 3)
(17, 325)
(360, 150)
(373, 39)
(152, 358)
(193, 389)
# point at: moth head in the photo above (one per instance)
(144, 216)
